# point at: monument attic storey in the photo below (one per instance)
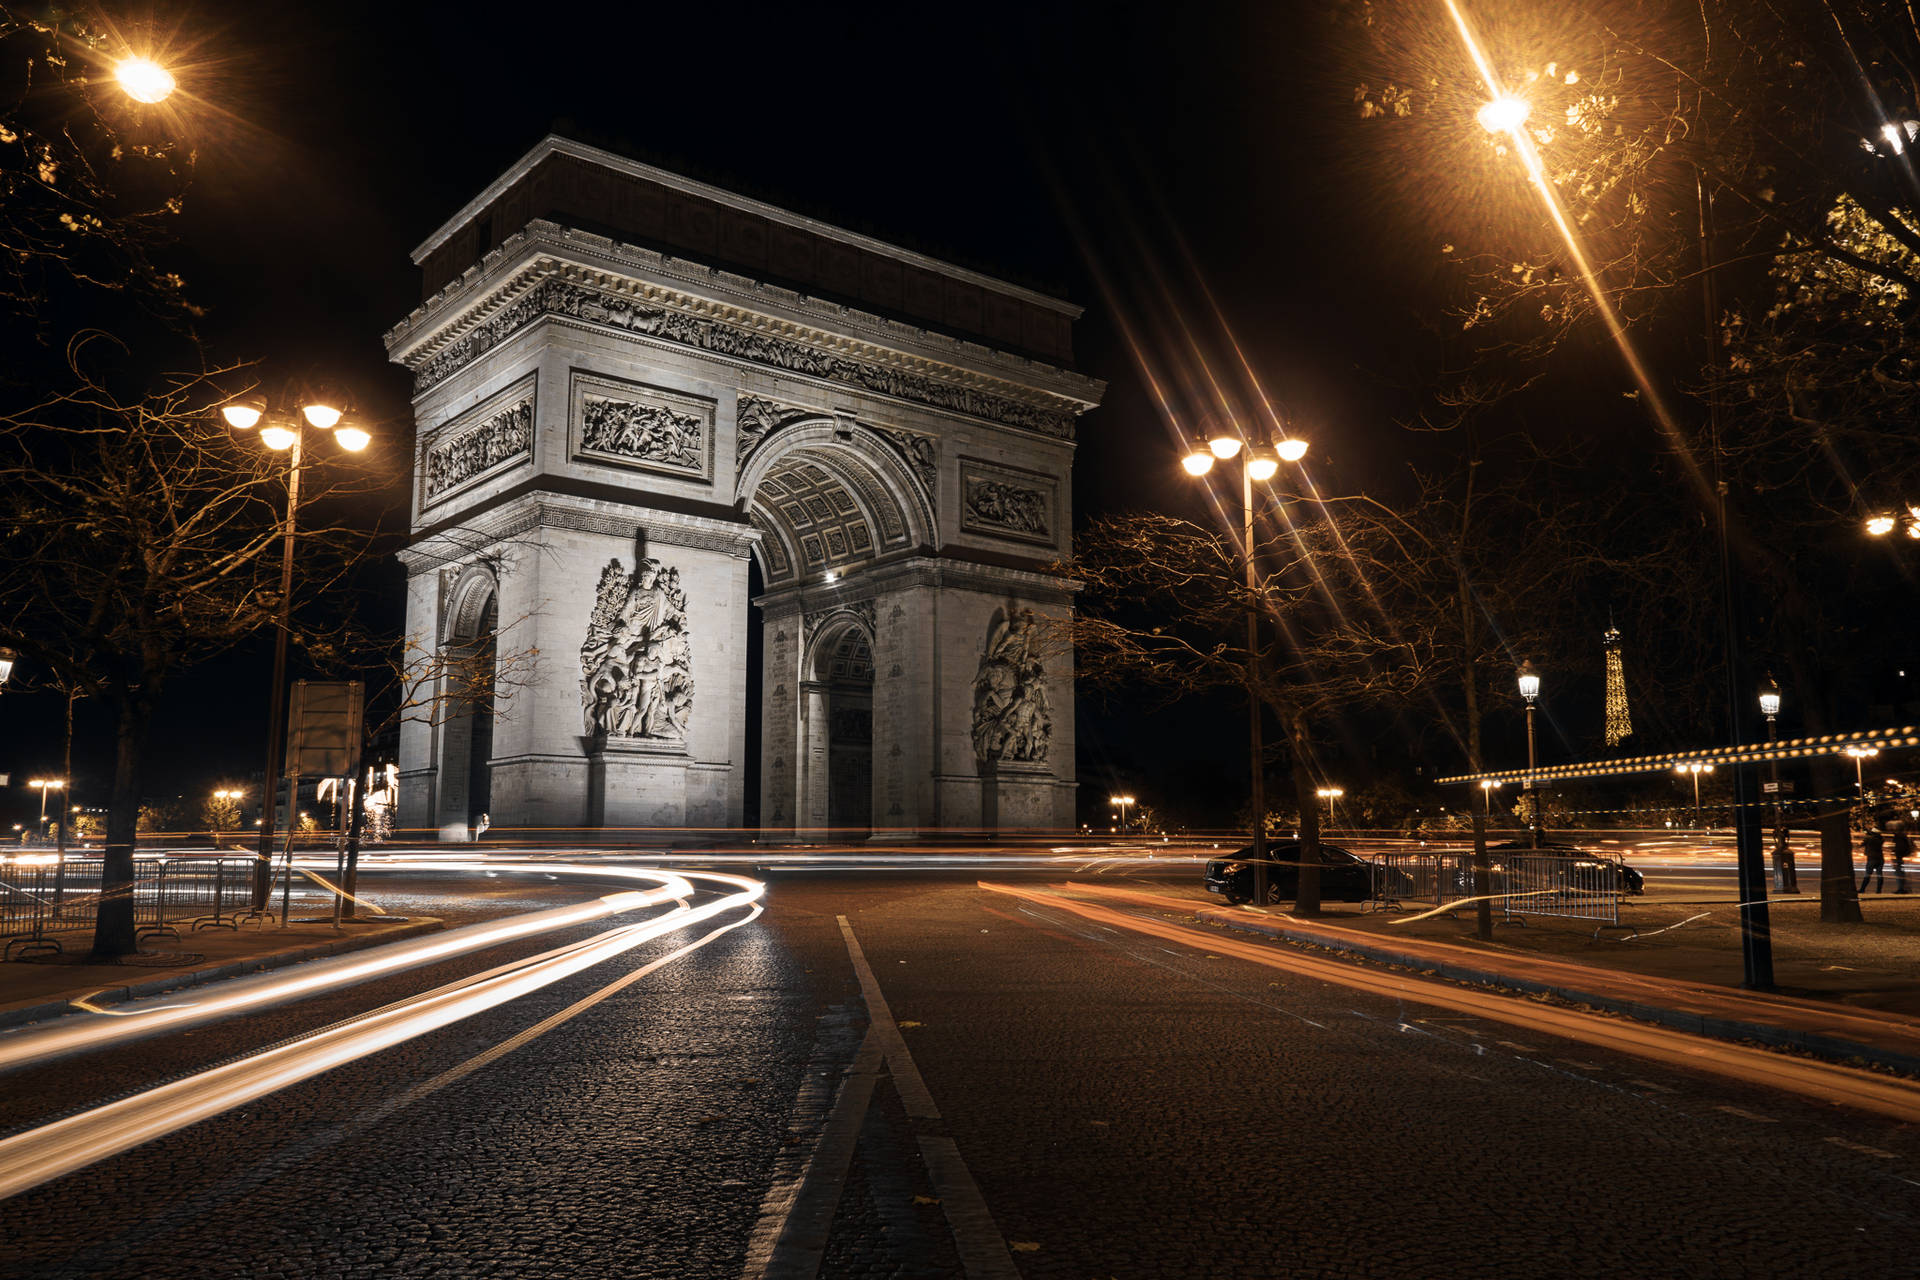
(627, 385)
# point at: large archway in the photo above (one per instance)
(835, 502)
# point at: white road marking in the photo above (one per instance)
(983, 1250)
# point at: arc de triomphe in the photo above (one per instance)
(628, 384)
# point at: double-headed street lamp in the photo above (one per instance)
(1529, 682)
(1859, 756)
(1329, 794)
(284, 431)
(1259, 462)
(1693, 769)
(1122, 803)
(43, 786)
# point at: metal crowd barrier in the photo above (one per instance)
(46, 902)
(1576, 886)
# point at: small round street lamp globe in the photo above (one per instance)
(1504, 114)
(352, 437)
(321, 415)
(278, 439)
(144, 80)
(1224, 446)
(1880, 526)
(1291, 450)
(1197, 463)
(1262, 465)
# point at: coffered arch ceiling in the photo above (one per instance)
(825, 506)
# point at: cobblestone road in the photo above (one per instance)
(1125, 1109)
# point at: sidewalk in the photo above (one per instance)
(46, 987)
(1841, 991)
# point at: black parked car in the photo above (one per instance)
(1631, 881)
(1343, 877)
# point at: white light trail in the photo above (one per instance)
(249, 995)
(39, 1155)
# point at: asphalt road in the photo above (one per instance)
(894, 1075)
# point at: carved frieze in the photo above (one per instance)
(632, 425)
(554, 296)
(1006, 503)
(756, 417)
(496, 435)
(1012, 719)
(636, 666)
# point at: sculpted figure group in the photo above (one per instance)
(1012, 719)
(637, 664)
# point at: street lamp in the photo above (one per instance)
(43, 786)
(1695, 769)
(1122, 803)
(143, 79)
(1259, 462)
(7, 658)
(284, 432)
(1882, 523)
(1860, 755)
(1329, 794)
(1786, 877)
(1529, 681)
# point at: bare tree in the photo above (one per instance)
(141, 540)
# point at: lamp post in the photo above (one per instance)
(1859, 756)
(1530, 690)
(1786, 877)
(1258, 462)
(43, 786)
(1330, 794)
(284, 432)
(1694, 769)
(1123, 803)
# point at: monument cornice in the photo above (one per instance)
(550, 272)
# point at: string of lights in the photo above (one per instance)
(1827, 744)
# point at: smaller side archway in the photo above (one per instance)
(836, 727)
(464, 700)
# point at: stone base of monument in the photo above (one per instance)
(1016, 795)
(637, 782)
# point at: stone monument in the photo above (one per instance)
(628, 387)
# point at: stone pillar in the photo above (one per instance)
(815, 736)
(780, 739)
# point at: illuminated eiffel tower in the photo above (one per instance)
(1619, 721)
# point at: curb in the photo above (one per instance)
(58, 1006)
(1716, 1028)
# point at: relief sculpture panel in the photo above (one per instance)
(636, 666)
(651, 428)
(1012, 717)
(1006, 504)
(496, 435)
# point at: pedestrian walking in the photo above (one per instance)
(1873, 844)
(1902, 850)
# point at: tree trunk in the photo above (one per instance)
(113, 930)
(1307, 900)
(1482, 867)
(1839, 895)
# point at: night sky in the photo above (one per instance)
(1032, 141)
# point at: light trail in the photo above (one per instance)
(1821, 1081)
(41, 1154)
(248, 995)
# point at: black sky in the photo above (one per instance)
(1026, 140)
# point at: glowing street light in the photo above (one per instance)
(1260, 462)
(1504, 114)
(144, 80)
(284, 432)
(1123, 803)
(43, 786)
(1881, 525)
(7, 658)
(1859, 756)
(1329, 794)
(1693, 769)
(1529, 681)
